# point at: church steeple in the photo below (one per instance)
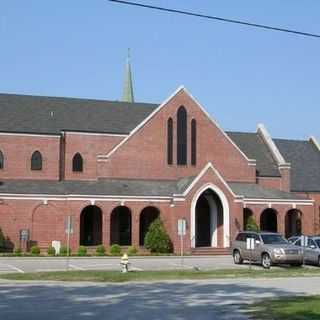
(128, 86)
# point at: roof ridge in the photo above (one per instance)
(74, 98)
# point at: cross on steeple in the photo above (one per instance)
(128, 86)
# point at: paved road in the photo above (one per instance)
(107, 263)
(201, 300)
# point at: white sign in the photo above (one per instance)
(182, 227)
(250, 243)
(68, 225)
(56, 245)
(304, 241)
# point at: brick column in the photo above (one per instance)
(135, 228)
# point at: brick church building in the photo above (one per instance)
(116, 166)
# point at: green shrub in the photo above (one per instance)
(156, 239)
(115, 250)
(51, 251)
(82, 251)
(101, 250)
(251, 224)
(132, 251)
(17, 252)
(64, 250)
(35, 250)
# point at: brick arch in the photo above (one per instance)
(7, 223)
(44, 225)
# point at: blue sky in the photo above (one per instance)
(242, 76)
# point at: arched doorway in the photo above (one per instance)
(247, 214)
(91, 226)
(120, 226)
(268, 220)
(293, 223)
(147, 216)
(208, 220)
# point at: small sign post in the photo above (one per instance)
(182, 229)
(250, 246)
(24, 237)
(304, 244)
(69, 231)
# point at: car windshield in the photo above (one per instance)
(318, 242)
(273, 239)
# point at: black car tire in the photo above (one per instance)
(237, 257)
(319, 261)
(266, 261)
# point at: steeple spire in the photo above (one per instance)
(128, 86)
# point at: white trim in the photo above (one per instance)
(226, 213)
(44, 135)
(267, 139)
(202, 172)
(95, 133)
(315, 142)
(12, 197)
(270, 204)
(251, 161)
(137, 128)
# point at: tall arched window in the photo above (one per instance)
(170, 141)
(36, 161)
(182, 136)
(77, 163)
(193, 142)
(1, 160)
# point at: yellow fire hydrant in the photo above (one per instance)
(124, 263)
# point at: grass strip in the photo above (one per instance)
(297, 308)
(115, 276)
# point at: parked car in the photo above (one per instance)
(270, 248)
(311, 252)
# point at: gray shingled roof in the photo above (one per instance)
(304, 158)
(110, 187)
(255, 191)
(254, 148)
(50, 115)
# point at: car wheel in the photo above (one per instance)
(319, 261)
(266, 261)
(237, 257)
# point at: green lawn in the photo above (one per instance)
(300, 308)
(115, 276)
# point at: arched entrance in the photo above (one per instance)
(147, 216)
(208, 220)
(91, 226)
(268, 220)
(120, 226)
(293, 223)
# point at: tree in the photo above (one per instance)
(251, 224)
(156, 239)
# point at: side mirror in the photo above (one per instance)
(257, 242)
(312, 246)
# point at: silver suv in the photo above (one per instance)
(269, 248)
(311, 251)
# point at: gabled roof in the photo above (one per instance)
(51, 115)
(304, 158)
(254, 148)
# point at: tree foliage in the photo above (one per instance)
(156, 239)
